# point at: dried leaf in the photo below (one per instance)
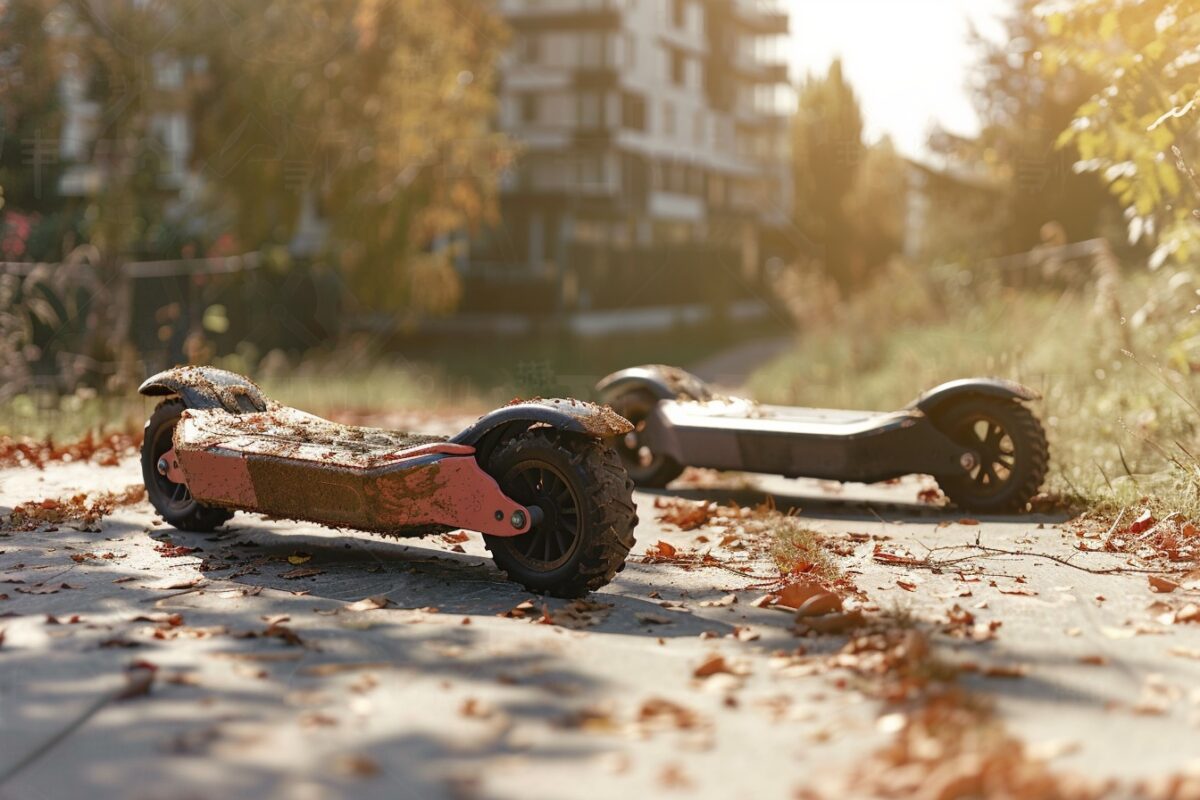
(301, 572)
(1142, 523)
(1162, 585)
(712, 665)
(370, 603)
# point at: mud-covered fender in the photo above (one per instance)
(987, 387)
(573, 416)
(664, 382)
(206, 388)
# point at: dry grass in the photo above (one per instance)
(799, 550)
(1121, 394)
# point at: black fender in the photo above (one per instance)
(206, 388)
(572, 416)
(987, 387)
(664, 382)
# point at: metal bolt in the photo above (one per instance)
(499, 515)
(968, 461)
(162, 466)
(517, 520)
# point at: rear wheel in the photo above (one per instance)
(171, 500)
(583, 526)
(1011, 453)
(645, 466)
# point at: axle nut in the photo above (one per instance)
(968, 461)
(517, 520)
(162, 466)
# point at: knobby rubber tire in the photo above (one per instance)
(186, 516)
(1031, 451)
(606, 513)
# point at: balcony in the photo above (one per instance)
(763, 17)
(556, 14)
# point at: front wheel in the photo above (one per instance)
(173, 501)
(584, 518)
(1011, 453)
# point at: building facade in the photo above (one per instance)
(653, 141)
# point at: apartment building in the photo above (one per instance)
(651, 132)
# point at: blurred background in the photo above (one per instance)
(440, 204)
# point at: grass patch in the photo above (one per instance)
(800, 550)
(1119, 377)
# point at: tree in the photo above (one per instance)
(373, 114)
(876, 206)
(1023, 107)
(1140, 131)
(827, 149)
(30, 116)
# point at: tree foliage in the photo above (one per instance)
(373, 113)
(1023, 106)
(30, 116)
(365, 123)
(827, 148)
(1140, 131)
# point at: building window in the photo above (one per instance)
(679, 13)
(698, 123)
(591, 49)
(590, 114)
(678, 68)
(668, 112)
(529, 107)
(633, 111)
(529, 48)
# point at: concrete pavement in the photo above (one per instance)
(272, 683)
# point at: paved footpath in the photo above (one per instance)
(272, 682)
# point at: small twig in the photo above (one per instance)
(929, 563)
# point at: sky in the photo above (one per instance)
(907, 59)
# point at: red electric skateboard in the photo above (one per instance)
(552, 499)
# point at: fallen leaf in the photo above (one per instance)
(819, 605)
(794, 595)
(711, 666)
(906, 586)
(354, 765)
(1142, 523)
(835, 623)
(1189, 613)
(660, 712)
(371, 603)
(476, 709)
(661, 550)
(1162, 585)
(1005, 671)
(968, 521)
(1093, 660)
(301, 572)
(299, 558)
(184, 583)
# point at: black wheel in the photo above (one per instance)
(645, 466)
(171, 500)
(1011, 448)
(583, 529)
